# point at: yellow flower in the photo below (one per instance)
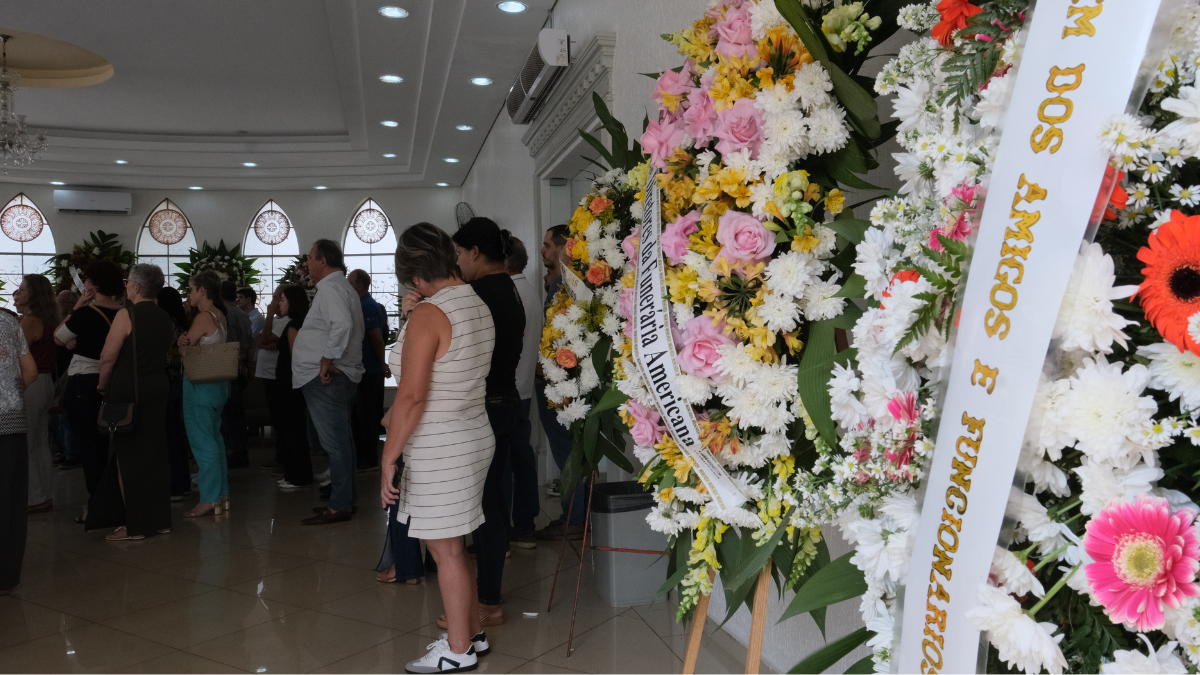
(638, 176)
(665, 495)
(733, 183)
(580, 252)
(806, 242)
(794, 344)
(704, 242)
(707, 291)
(580, 221)
(628, 280)
(835, 201)
(681, 284)
(707, 191)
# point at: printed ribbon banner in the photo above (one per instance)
(576, 288)
(654, 351)
(1078, 69)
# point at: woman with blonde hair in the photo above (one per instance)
(440, 423)
(38, 308)
(203, 403)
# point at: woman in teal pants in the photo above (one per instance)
(202, 403)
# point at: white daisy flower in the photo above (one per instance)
(1022, 642)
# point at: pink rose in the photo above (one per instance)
(700, 342)
(743, 238)
(734, 35)
(739, 127)
(671, 83)
(628, 246)
(675, 237)
(647, 424)
(700, 120)
(659, 140)
(626, 303)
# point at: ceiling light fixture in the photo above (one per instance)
(391, 79)
(464, 127)
(481, 81)
(393, 12)
(389, 155)
(195, 187)
(17, 145)
(442, 184)
(120, 161)
(390, 123)
(249, 164)
(451, 160)
(511, 7)
(57, 182)
(320, 187)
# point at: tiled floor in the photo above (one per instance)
(255, 591)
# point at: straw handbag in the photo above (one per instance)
(211, 363)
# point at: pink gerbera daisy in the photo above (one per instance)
(1145, 557)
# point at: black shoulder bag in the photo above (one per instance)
(117, 417)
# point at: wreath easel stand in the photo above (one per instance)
(758, 624)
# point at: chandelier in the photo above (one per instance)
(17, 145)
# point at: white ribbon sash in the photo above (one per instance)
(1078, 69)
(654, 351)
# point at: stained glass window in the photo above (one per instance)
(370, 245)
(25, 245)
(166, 238)
(271, 238)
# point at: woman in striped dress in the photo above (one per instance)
(440, 423)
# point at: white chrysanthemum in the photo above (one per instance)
(773, 100)
(697, 390)
(813, 84)
(1037, 525)
(661, 519)
(993, 101)
(1175, 372)
(1164, 660)
(644, 453)
(682, 313)
(734, 516)
(1086, 319)
(844, 404)
(1022, 643)
(1013, 574)
(870, 553)
(873, 261)
(702, 265)
(779, 312)
(826, 242)
(611, 325)
(553, 372)
(575, 410)
(790, 273)
(819, 302)
(588, 379)
(827, 131)
(1046, 426)
(786, 129)
(690, 495)
(1105, 411)
(736, 364)
(911, 107)
(1103, 484)
(774, 445)
(1187, 106)
(763, 15)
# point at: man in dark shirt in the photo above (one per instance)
(368, 406)
(233, 416)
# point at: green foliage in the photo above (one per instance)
(228, 263)
(98, 245)
(971, 68)
(837, 581)
(823, 658)
(621, 155)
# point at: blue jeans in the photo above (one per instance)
(520, 483)
(329, 406)
(559, 438)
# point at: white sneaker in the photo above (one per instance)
(284, 485)
(479, 642)
(441, 660)
(322, 477)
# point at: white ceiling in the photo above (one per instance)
(200, 87)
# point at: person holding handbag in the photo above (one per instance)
(203, 402)
(134, 492)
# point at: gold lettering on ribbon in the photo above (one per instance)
(1004, 293)
(1083, 19)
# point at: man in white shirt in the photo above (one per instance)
(267, 341)
(327, 367)
(521, 485)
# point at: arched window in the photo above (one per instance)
(166, 238)
(370, 244)
(25, 246)
(270, 238)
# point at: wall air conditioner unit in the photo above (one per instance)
(80, 201)
(546, 63)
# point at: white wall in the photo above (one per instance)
(216, 214)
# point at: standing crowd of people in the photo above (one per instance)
(119, 380)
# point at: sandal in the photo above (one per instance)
(121, 534)
(40, 508)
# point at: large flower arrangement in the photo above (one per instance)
(98, 245)
(755, 136)
(296, 274)
(1101, 574)
(228, 263)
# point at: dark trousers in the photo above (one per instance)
(520, 482)
(233, 423)
(399, 549)
(491, 538)
(83, 407)
(14, 492)
(559, 438)
(277, 416)
(177, 444)
(291, 436)
(364, 420)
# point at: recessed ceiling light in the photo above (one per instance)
(389, 155)
(393, 12)
(390, 123)
(195, 187)
(391, 79)
(442, 184)
(249, 164)
(57, 182)
(511, 7)
(121, 161)
(451, 160)
(320, 187)
(464, 127)
(481, 81)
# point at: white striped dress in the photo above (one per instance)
(447, 457)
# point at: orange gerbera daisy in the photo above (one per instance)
(954, 15)
(1171, 292)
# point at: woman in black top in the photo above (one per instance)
(87, 327)
(293, 437)
(482, 249)
(177, 444)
